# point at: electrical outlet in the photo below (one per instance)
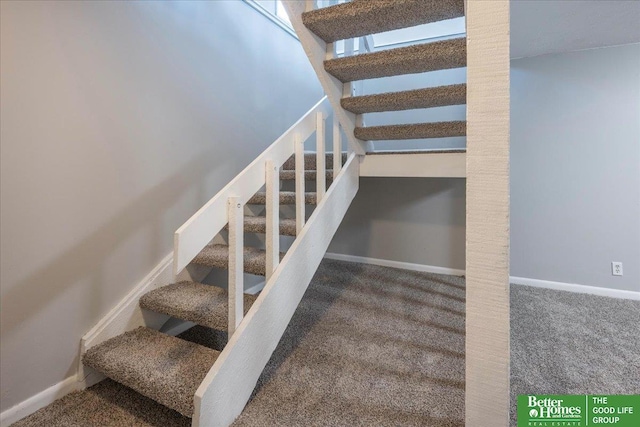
(616, 268)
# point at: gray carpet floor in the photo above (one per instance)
(568, 343)
(380, 346)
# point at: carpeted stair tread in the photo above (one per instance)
(286, 198)
(309, 175)
(419, 58)
(217, 256)
(204, 305)
(363, 17)
(407, 100)
(310, 161)
(258, 224)
(412, 131)
(163, 368)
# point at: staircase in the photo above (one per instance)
(320, 29)
(212, 386)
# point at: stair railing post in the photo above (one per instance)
(273, 217)
(300, 183)
(348, 87)
(337, 148)
(236, 263)
(321, 174)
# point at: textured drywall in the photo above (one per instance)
(119, 120)
(487, 251)
(576, 167)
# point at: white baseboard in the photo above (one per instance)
(125, 316)
(572, 287)
(561, 286)
(39, 401)
(395, 264)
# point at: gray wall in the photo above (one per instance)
(406, 219)
(119, 120)
(414, 220)
(575, 167)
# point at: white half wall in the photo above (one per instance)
(119, 120)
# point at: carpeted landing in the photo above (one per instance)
(380, 346)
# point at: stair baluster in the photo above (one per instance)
(321, 181)
(300, 184)
(236, 263)
(273, 217)
(337, 148)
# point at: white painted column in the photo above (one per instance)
(321, 157)
(236, 263)
(273, 217)
(300, 181)
(487, 253)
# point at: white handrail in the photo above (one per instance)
(205, 224)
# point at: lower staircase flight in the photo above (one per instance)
(213, 385)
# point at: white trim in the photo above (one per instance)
(514, 280)
(574, 287)
(127, 314)
(414, 165)
(273, 18)
(395, 264)
(38, 401)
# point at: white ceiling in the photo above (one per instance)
(540, 27)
